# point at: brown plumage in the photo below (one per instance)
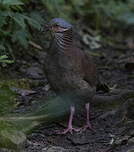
(68, 68)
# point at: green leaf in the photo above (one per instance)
(54, 6)
(3, 57)
(2, 48)
(2, 20)
(36, 16)
(33, 22)
(22, 37)
(10, 137)
(19, 18)
(7, 61)
(7, 99)
(12, 2)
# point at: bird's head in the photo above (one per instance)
(58, 25)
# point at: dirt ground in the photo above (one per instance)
(110, 135)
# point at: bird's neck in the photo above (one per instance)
(64, 40)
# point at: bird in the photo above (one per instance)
(70, 70)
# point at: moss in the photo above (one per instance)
(8, 96)
(7, 100)
(10, 137)
(18, 83)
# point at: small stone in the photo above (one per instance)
(131, 150)
(23, 92)
(47, 87)
(122, 140)
(131, 140)
(54, 149)
(35, 72)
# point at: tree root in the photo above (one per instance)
(116, 96)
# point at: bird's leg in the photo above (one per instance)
(70, 127)
(88, 124)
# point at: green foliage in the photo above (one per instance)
(9, 2)
(7, 100)
(99, 13)
(14, 25)
(10, 137)
(108, 12)
(14, 125)
(16, 20)
(63, 8)
(4, 60)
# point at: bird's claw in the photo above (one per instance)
(88, 126)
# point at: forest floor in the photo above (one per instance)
(109, 135)
(115, 68)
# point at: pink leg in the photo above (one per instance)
(88, 124)
(70, 128)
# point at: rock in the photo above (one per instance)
(35, 72)
(131, 141)
(131, 150)
(54, 149)
(23, 92)
(122, 140)
(46, 88)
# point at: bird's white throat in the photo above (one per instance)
(64, 40)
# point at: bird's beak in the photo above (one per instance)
(47, 27)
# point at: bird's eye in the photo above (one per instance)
(55, 25)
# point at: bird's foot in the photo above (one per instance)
(69, 130)
(87, 126)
